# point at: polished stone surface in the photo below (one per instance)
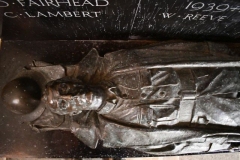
(18, 139)
(136, 19)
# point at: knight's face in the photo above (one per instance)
(70, 97)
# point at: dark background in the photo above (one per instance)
(124, 24)
(19, 140)
(127, 19)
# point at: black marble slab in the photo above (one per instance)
(216, 20)
(19, 140)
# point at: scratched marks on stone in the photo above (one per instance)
(136, 19)
(192, 18)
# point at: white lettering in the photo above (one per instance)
(168, 15)
(76, 14)
(10, 15)
(196, 16)
(21, 2)
(87, 2)
(29, 15)
(221, 18)
(65, 1)
(51, 3)
(188, 16)
(203, 17)
(41, 2)
(106, 3)
(76, 4)
(3, 4)
(86, 14)
(54, 15)
(67, 14)
(96, 13)
(39, 14)
(58, 3)
(33, 3)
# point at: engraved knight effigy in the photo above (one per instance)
(164, 99)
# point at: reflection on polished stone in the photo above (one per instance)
(21, 95)
(165, 99)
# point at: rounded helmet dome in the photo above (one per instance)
(22, 95)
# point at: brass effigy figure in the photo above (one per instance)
(165, 99)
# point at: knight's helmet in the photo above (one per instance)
(22, 95)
